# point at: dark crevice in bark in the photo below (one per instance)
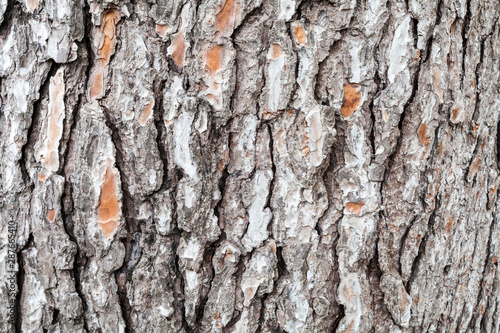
(262, 309)
(402, 244)
(321, 71)
(161, 133)
(339, 318)
(272, 183)
(237, 276)
(371, 137)
(80, 260)
(422, 248)
(473, 23)
(439, 13)
(55, 316)
(255, 13)
(123, 274)
(374, 274)
(34, 127)
(234, 320)
(282, 271)
(222, 187)
(79, 265)
(171, 184)
(408, 104)
(414, 27)
(179, 281)
(20, 284)
(488, 258)
(208, 256)
(498, 144)
(478, 84)
(295, 88)
(86, 44)
(465, 39)
(6, 25)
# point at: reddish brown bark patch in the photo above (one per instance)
(437, 83)
(449, 223)
(51, 215)
(104, 53)
(96, 89)
(213, 59)
(422, 135)
(161, 29)
(455, 114)
(179, 52)
(276, 51)
(484, 143)
(352, 99)
(355, 208)
(300, 34)
(475, 166)
(146, 113)
(225, 20)
(109, 206)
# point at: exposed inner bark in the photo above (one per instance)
(250, 166)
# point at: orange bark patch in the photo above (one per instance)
(355, 208)
(417, 54)
(109, 31)
(493, 190)
(179, 51)
(146, 113)
(96, 89)
(422, 135)
(110, 20)
(54, 128)
(385, 116)
(267, 115)
(475, 166)
(484, 143)
(495, 259)
(104, 53)
(454, 114)
(51, 215)
(106, 50)
(213, 59)
(300, 34)
(441, 147)
(109, 206)
(108, 228)
(161, 29)
(276, 51)
(448, 225)
(352, 99)
(225, 20)
(437, 83)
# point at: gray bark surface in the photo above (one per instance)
(249, 166)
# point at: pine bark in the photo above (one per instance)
(249, 166)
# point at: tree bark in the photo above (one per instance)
(249, 166)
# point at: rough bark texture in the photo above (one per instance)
(249, 166)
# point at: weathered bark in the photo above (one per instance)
(249, 166)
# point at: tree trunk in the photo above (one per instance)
(249, 166)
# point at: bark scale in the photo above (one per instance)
(249, 166)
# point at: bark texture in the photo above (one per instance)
(249, 166)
